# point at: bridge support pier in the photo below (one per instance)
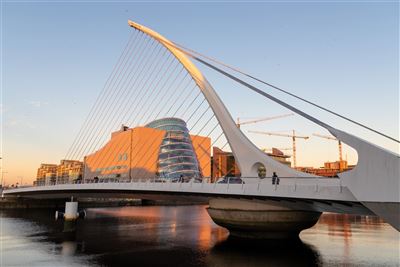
(70, 215)
(71, 211)
(260, 219)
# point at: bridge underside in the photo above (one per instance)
(292, 203)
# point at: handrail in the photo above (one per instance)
(168, 180)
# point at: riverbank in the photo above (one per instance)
(24, 203)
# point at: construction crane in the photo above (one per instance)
(339, 145)
(239, 123)
(293, 136)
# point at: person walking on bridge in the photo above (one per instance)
(275, 178)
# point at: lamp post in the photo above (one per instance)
(1, 166)
(2, 178)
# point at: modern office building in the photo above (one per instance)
(162, 149)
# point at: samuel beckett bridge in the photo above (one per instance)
(179, 119)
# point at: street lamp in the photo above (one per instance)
(2, 178)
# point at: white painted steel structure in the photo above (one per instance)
(374, 182)
(319, 194)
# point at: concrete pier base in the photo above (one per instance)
(69, 226)
(260, 219)
(71, 211)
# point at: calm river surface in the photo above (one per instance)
(186, 236)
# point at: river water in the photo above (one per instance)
(186, 236)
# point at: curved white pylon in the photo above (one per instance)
(247, 155)
(374, 181)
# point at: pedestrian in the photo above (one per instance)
(275, 178)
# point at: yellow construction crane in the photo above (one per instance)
(293, 136)
(239, 123)
(339, 145)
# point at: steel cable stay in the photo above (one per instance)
(111, 92)
(92, 110)
(176, 100)
(290, 107)
(125, 110)
(187, 121)
(171, 97)
(152, 154)
(143, 145)
(151, 141)
(133, 122)
(95, 105)
(191, 53)
(104, 119)
(136, 96)
(150, 96)
(108, 118)
(184, 100)
(162, 98)
(103, 106)
(166, 114)
(117, 116)
(142, 100)
(191, 103)
(163, 101)
(101, 120)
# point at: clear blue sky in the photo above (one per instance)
(57, 56)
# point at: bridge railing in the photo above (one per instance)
(302, 187)
(223, 182)
(220, 180)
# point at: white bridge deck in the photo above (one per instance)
(301, 188)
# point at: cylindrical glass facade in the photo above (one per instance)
(177, 158)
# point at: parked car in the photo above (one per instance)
(231, 180)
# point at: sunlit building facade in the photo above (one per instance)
(65, 172)
(223, 164)
(46, 174)
(69, 171)
(162, 149)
